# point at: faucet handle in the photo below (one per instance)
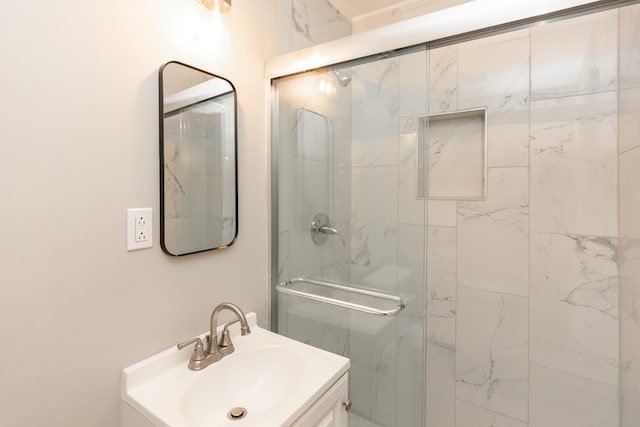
(198, 351)
(225, 340)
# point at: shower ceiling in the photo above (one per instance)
(356, 8)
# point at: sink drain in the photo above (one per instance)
(237, 413)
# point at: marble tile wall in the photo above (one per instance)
(477, 262)
(311, 22)
(527, 334)
(564, 400)
(491, 351)
(629, 206)
(574, 295)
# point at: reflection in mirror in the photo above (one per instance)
(198, 195)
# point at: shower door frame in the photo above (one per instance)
(320, 58)
(427, 32)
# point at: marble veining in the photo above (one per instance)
(491, 351)
(179, 199)
(493, 235)
(374, 226)
(489, 78)
(455, 156)
(574, 305)
(413, 83)
(411, 204)
(574, 165)
(375, 101)
(298, 17)
(443, 79)
(441, 286)
(316, 22)
(176, 169)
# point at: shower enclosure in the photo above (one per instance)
(456, 217)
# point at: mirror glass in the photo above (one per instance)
(198, 195)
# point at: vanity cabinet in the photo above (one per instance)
(329, 410)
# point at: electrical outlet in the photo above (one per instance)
(141, 236)
(139, 228)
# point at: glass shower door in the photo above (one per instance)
(349, 235)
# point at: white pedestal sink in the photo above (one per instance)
(274, 378)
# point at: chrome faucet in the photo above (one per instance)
(215, 351)
(332, 231)
(321, 228)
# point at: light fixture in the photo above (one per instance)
(217, 5)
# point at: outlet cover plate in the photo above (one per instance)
(139, 221)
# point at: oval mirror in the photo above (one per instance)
(198, 165)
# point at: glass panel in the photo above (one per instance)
(346, 148)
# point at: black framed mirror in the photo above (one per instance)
(198, 160)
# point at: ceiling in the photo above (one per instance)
(353, 8)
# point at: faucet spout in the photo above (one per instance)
(321, 228)
(326, 229)
(215, 351)
(213, 346)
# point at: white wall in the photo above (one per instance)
(79, 132)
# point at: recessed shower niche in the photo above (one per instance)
(453, 146)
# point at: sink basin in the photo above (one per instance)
(275, 379)
(265, 374)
